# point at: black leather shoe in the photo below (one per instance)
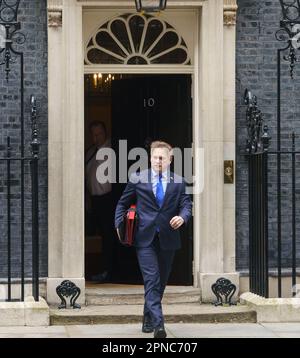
(147, 325)
(159, 332)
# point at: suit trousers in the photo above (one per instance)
(155, 265)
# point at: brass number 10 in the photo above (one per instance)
(149, 102)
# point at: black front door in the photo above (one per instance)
(147, 108)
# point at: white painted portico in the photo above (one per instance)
(214, 130)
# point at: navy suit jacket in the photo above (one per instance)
(151, 216)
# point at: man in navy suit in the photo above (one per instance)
(163, 207)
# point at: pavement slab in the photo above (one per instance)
(198, 330)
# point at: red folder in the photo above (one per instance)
(128, 228)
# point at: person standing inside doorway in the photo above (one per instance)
(101, 198)
(163, 206)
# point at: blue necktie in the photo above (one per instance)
(160, 192)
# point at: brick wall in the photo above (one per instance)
(32, 15)
(257, 22)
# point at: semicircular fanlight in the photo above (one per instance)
(136, 39)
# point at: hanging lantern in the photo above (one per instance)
(150, 5)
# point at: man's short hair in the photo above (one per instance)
(160, 144)
(95, 124)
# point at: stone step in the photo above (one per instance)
(174, 313)
(109, 294)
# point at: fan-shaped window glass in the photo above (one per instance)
(155, 30)
(136, 39)
(137, 24)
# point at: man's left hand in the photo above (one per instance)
(176, 222)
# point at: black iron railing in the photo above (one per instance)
(22, 162)
(259, 171)
(17, 162)
(34, 160)
(292, 163)
(257, 153)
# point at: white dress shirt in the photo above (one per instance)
(94, 187)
